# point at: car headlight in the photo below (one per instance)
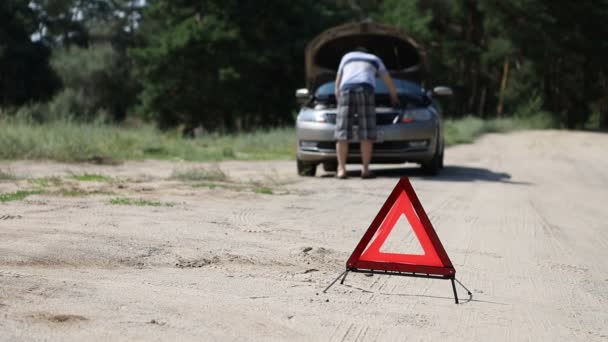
(416, 115)
(313, 116)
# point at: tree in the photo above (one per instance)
(565, 41)
(226, 64)
(511, 56)
(25, 74)
(90, 39)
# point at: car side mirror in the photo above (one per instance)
(302, 96)
(443, 91)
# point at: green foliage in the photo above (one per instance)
(212, 173)
(206, 185)
(226, 64)
(469, 128)
(263, 190)
(540, 51)
(408, 16)
(96, 85)
(7, 175)
(72, 141)
(69, 141)
(92, 177)
(89, 40)
(67, 105)
(45, 182)
(139, 202)
(73, 193)
(25, 74)
(80, 23)
(17, 195)
(232, 66)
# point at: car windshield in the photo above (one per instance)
(405, 89)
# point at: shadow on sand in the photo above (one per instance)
(451, 173)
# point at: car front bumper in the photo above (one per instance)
(396, 143)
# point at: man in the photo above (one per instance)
(355, 91)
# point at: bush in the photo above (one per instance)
(466, 130)
(69, 140)
(68, 105)
(97, 85)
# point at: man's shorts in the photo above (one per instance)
(356, 118)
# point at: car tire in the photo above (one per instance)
(441, 165)
(330, 166)
(433, 166)
(306, 169)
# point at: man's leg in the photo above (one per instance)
(366, 155)
(342, 153)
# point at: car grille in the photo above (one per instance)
(386, 145)
(381, 119)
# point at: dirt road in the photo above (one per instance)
(523, 217)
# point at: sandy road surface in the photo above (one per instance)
(523, 217)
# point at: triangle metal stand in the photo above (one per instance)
(403, 274)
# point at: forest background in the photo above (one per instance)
(232, 66)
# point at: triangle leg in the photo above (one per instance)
(333, 282)
(454, 289)
(344, 278)
(464, 287)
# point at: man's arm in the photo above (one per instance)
(391, 88)
(337, 87)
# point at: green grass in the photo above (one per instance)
(17, 195)
(206, 185)
(139, 202)
(467, 129)
(45, 182)
(70, 141)
(197, 174)
(224, 185)
(108, 144)
(263, 190)
(257, 187)
(76, 192)
(92, 177)
(7, 176)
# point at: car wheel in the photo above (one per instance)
(433, 166)
(330, 166)
(306, 169)
(441, 166)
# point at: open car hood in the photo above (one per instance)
(403, 57)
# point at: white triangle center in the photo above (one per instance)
(402, 239)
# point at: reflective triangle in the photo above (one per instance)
(402, 202)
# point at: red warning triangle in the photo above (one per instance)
(402, 202)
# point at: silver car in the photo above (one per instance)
(411, 133)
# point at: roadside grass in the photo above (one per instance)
(79, 192)
(92, 177)
(197, 174)
(139, 202)
(467, 129)
(72, 193)
(263, 190)
(221, 185)
(7, 176)
(256, 187)
(109, 144)
(207, 185)
(45, 182)
(17, 195)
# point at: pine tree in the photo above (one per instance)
(25, 74)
